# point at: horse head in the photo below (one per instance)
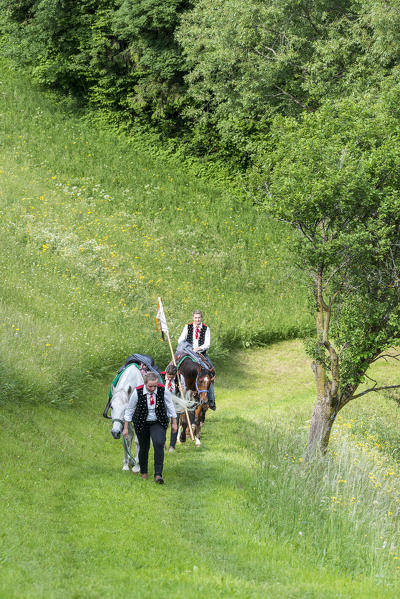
(203, 382)
(119, 402)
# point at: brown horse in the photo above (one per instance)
(197, 380)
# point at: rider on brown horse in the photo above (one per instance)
(196, 334)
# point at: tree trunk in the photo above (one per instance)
(320, 426)
(327, 390)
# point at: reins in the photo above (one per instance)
(128, 451)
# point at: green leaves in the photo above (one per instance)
(335, 178)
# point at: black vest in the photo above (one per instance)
(141, 411)
(190, 333)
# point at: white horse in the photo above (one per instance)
(129, 380)
(120, 394)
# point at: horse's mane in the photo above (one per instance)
(121, 391)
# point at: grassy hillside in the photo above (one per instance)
(240, 517)
(93, 230)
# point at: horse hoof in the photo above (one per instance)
(198, 442)
(136, 469)
(125, 467)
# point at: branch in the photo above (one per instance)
(308, 17)
(294, 99)
(337, 269)
(371, 379)
(256, 51)
(373, 389)
(297, 226)
(343, 348)
(384, 356)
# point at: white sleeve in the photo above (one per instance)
(131, 406)
(206, 343)
(183, 335)
(171, 413)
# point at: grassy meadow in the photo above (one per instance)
(92, 231)
(242, 516)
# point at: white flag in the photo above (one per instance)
(161, 317)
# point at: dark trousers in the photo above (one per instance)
(158, 434)
(174, 436)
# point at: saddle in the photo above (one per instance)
(197, 358)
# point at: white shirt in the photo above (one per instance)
(151, 416)
(194, 341)
(175, 388)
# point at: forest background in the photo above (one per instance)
(205, 78)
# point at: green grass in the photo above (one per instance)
(93, 231)
(227, 522)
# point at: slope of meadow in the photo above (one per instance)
(93, 231)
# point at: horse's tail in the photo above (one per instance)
(183, 404)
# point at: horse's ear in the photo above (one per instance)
(129, 390)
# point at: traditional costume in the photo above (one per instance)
(198, 337)
(150, 413)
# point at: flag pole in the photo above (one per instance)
(160, 307)
(180, 387)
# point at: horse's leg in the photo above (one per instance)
(182, 429)
(126, 456)
(136, 467)
(203, 417)
(197, 428)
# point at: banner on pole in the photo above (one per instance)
(161, 317)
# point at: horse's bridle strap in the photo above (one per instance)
(201, 390)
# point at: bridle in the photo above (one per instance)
(201, 390)
(108, 406)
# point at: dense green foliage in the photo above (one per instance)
(120, 56)
(342, 194)
(212, 74)
(334, 177)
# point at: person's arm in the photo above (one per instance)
(169, 404)
(183, 335)
(207, 339)
(129, 411)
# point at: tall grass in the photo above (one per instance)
(93, 231)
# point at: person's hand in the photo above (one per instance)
(174, 427)
(196, 349)
(125, 431)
